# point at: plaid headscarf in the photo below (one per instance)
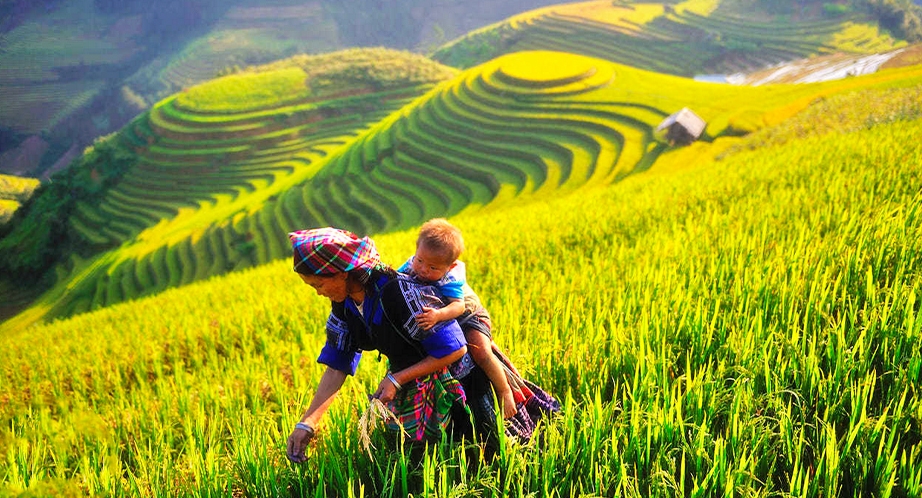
(324, 251)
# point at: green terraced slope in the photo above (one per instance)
(202, 160)
(49, 67)
(687, 38)
(529, 125)
(526, 126)
(249, 32)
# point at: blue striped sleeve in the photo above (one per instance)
(339, 351)
(344, 361)
(446, 338)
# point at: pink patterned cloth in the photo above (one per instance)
(423, 408)
(323, 251)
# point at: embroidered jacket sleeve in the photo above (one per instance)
(340, 351)
(404, 300)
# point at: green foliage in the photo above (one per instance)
(902, 17)
(38, 237)
(836, 9)
(476, 48)
(370, 68)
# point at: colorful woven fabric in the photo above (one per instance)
(323, 251)
(532, 403)
(423, 407)
(539, 404)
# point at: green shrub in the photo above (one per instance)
(836, 10)
(38, 236)
(901, 17)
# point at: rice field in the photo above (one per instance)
(249, 33)
(38, 55)
(743, 326)
(221, 170)
(41, 107)
(682, 38)
(735, 318)
(202, 171)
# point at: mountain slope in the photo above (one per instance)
(74, 70)
(685, 38)
(510, 130)
(200, 158)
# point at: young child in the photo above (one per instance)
(436, 263)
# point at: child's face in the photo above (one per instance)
(429, 265)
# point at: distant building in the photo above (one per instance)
(682, 127)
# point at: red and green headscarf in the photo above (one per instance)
(324, 251)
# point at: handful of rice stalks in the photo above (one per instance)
(375, 414)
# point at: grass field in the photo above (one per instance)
(743, 326)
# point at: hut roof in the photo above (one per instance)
(692, 123)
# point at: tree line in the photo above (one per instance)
(902, 18)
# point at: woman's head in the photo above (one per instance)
(324, 256)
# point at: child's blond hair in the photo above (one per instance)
(442, 237)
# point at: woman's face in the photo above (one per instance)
(332, 287)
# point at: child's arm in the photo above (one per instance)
(431, 316)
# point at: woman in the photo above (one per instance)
(374, 309)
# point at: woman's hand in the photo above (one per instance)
(386, 390)
(330, 383)
(298, 440)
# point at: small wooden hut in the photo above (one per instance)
(682, 127)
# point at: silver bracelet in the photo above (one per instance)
(393, 380)
(304, 427)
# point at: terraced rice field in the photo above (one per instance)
(215, 190)
(246, 35)
(687, 39)
(37, 58)
(34, 108)
(528, 125)
(180, 214)
(746, 327)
